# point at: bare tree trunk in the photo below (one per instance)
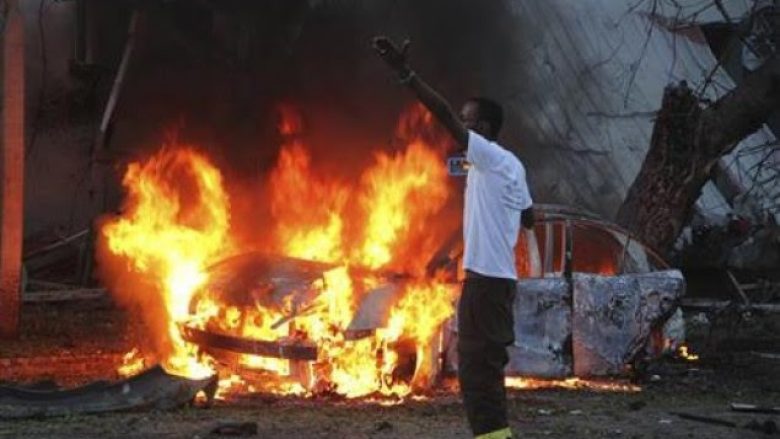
(11, 171)
(687, 142)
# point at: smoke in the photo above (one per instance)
(221, 72)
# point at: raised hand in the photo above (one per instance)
(397, 60)
(394, 57)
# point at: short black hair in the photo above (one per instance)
(491, 112)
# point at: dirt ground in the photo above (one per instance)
(703, 388)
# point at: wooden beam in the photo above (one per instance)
(98, 153)
(56, 245)
(119, 79)
(12, 172)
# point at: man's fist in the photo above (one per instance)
(389, 52)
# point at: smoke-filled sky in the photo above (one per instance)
(217, 78)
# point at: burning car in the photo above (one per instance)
(351, 288)
(589, 312)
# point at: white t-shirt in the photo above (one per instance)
(496, 194)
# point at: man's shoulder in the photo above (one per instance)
(510, 157)
(496, 156)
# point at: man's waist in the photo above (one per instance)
(471, 274)
(487, 265)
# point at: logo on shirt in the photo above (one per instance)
(457, 166)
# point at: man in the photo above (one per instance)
(497, 201)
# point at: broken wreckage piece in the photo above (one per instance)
(152, 389)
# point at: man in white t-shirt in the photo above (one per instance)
(497, 203)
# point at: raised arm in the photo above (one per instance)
(397, 60)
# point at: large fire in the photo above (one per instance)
(176, 220)
(176, 224)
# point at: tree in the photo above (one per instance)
(688, 140)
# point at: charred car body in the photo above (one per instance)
(591, 300)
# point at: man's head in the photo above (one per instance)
(483, 116)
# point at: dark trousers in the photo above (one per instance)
(485, 329)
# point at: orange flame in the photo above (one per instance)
(176, 220)
(307, 209)
(401, 192)
(419, 316)
(132, 364)
(571, 383)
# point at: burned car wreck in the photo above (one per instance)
(591, 301)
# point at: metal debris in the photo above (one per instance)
(614, 316)
(596, 330)
(542, 345)
(374, 311)
(256, 278)
(294, 350)
(153, 389)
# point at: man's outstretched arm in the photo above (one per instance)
(432, 100)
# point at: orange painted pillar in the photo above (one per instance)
(12, 172)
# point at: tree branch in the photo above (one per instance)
(722, 10)
(742, 111)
